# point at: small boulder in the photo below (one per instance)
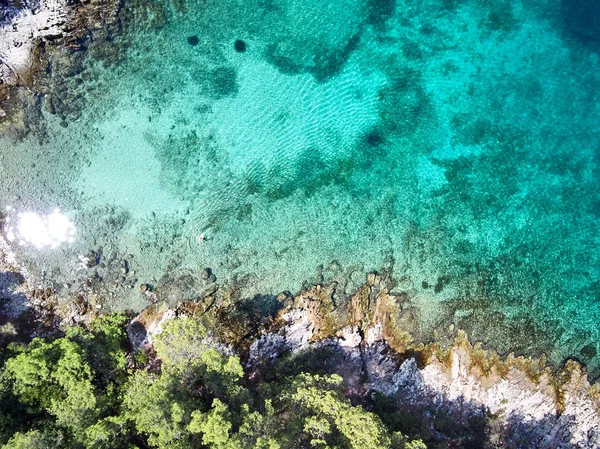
(208, 276)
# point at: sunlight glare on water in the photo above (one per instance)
(41, 231)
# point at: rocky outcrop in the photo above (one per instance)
(40, 52)
(458, 395)
(147, 324)
(47, 20)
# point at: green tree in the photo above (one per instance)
(215, 427)
(189, 354)
(321, 416)
(259, 430)
(111, 432)
(159, 409)
(55, 377)
(181, 344)
(75, 392)
(36, 439)
(74, 379)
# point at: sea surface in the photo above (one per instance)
(286, 142)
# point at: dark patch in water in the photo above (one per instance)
(441, 283)
(380, 11)
(224, 81)
(582, 19)
(327, 63)
(588, 351)
(405, 104)
(239, 45)
(193, 40)
(331, 64)
(374, 138)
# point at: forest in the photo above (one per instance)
(87, 389)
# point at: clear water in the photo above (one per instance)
(455, 141)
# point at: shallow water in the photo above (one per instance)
(453, 141)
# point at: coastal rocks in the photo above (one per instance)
(25, 311)
(148, 323)
(535, 408)
(13, 302)
(19, 38)
(40, 55)
(457, 395)
(516, 401)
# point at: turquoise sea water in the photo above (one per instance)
(452, 141)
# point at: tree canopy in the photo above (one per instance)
(85, 390)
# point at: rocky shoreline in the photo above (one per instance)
(457, 391)
(47, 21)
(39, 40)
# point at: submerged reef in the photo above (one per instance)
(582, 20)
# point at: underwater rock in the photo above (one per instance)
(184, 287)
(193, 40)
(239, 45)
(124, 266)
(91, 258)
(208, 276)
(588, 351)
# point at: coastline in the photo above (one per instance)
(367, 338)
(519, 399)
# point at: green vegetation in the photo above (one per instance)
(85, 390)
